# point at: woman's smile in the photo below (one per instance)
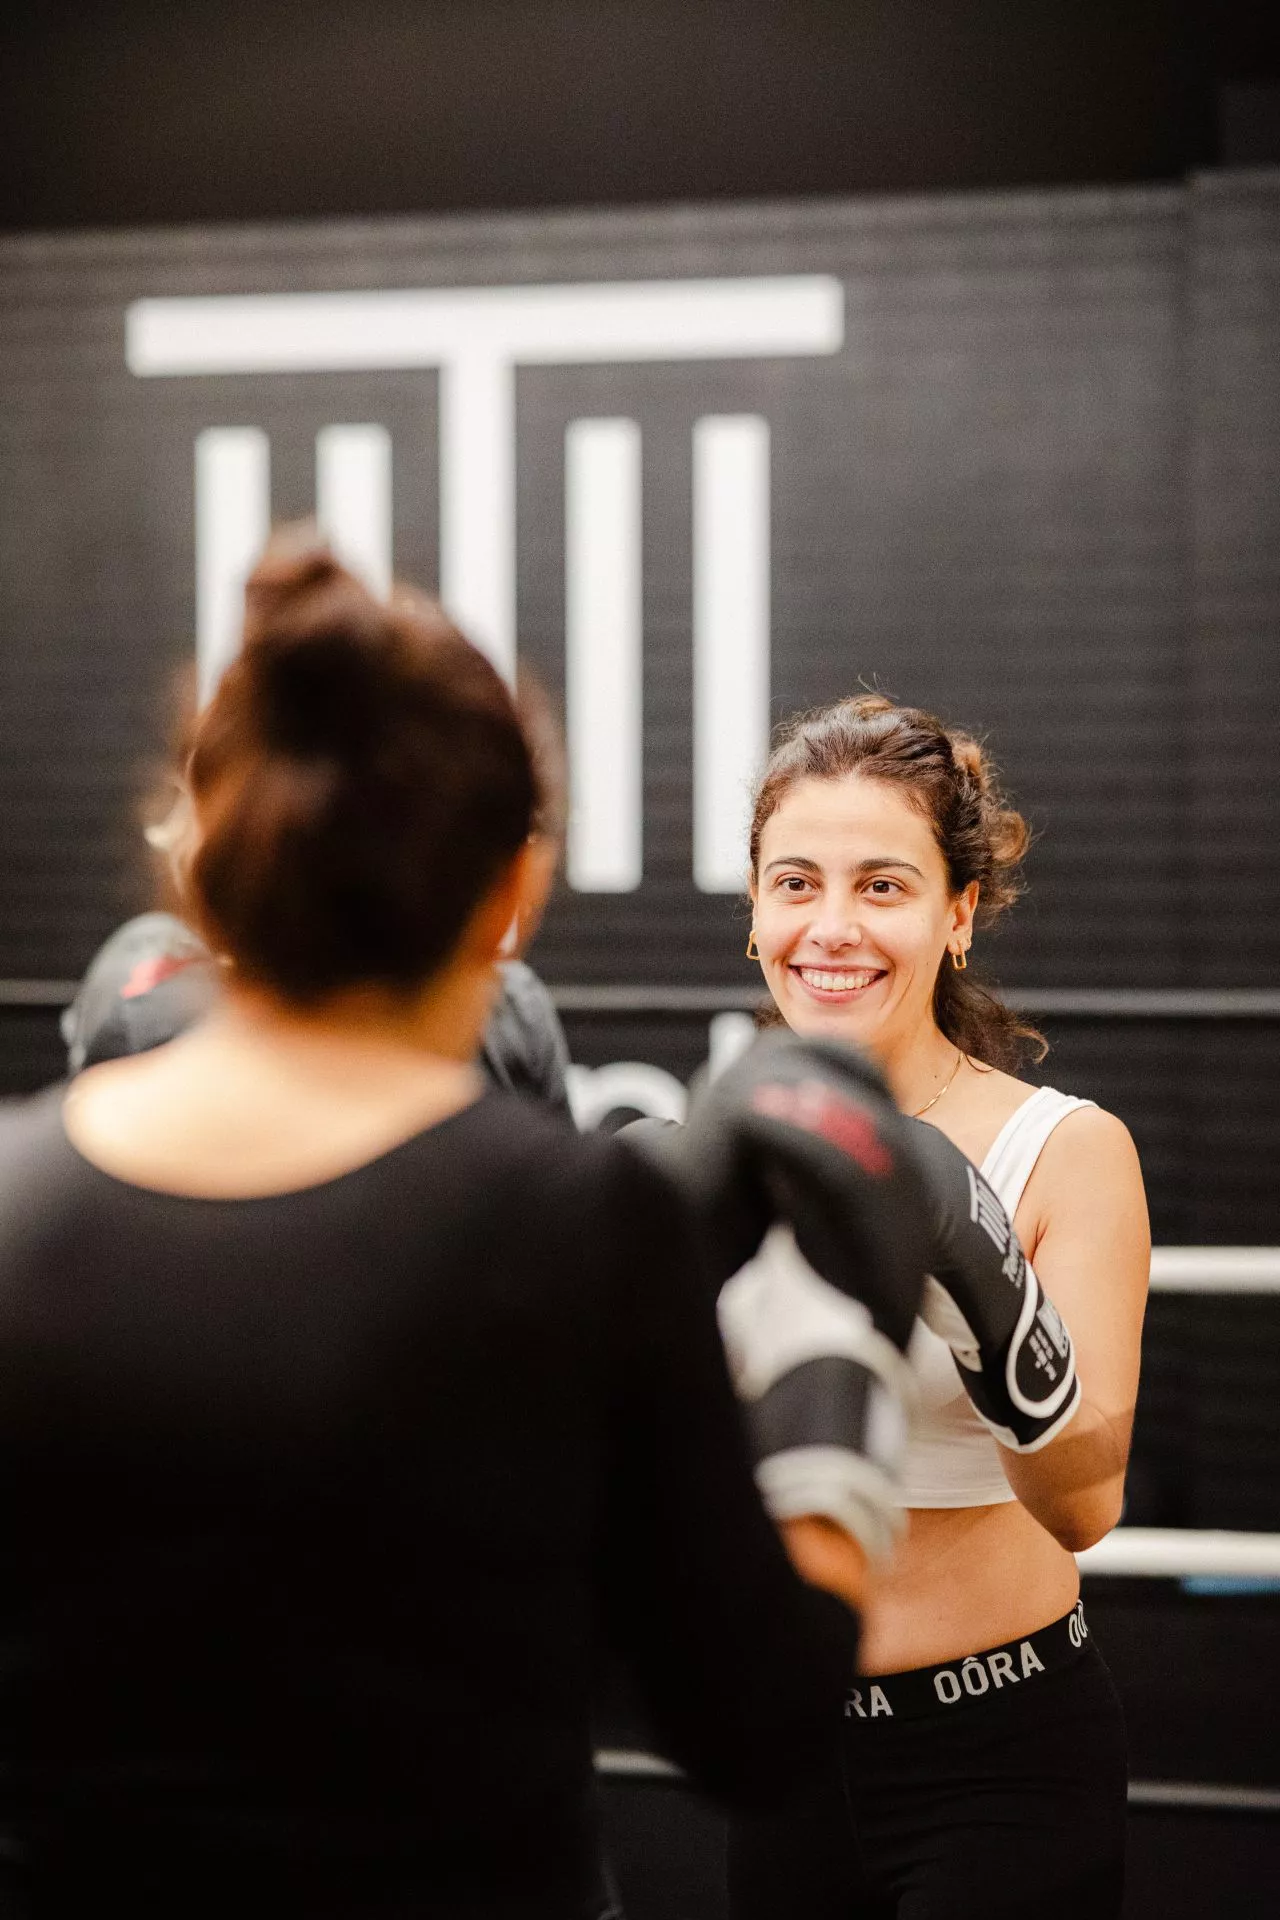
(837, 986)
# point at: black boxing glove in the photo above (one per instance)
(805, 1132)
(729, 1205)
(793, 1161)
(1012, 1352)
(826, 1397)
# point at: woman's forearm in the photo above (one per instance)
(1075, 1486)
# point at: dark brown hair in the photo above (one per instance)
(360, 778)
(948, 778)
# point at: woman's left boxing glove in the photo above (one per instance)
(1012, 1351)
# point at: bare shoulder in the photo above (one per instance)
(1089, 1153)
(1090, 1139)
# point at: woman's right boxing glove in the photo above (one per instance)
(799, 1145)
(805, 1132)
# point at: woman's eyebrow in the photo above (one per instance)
(878, 861)
(875, 864)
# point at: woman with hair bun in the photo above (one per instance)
(346, 1409)
(983, 1759)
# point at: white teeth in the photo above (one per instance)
(837, 982)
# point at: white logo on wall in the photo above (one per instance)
(475, 339)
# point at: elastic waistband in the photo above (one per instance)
(956, 1684)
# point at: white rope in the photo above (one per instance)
(619, 1763)
(1215, 1269)
(1179, 1553)
(1200, 1797)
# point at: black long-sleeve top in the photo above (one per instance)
(323, 1505)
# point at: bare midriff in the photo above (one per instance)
(960, 1580)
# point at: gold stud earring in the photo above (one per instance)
(753, 951)
(959, 959)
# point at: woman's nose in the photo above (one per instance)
(837, 924)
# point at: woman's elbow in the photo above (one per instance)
(1084, 1524)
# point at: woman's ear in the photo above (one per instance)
(963, 908)
(541, 856)
(507, 918)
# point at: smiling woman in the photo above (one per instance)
(933, 834)
(987, 1729)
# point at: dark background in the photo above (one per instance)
(1096, 579)
(128, 112)
(1038, 490)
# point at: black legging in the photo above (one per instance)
(1011, 1807)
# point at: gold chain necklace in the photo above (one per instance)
(941, 1090)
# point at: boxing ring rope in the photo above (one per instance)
(1183, 1553)
(619, 1765)
(1215, 1269)
(1071, 1003)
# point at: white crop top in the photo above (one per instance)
(952, 1460)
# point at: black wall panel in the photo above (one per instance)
(978, 503)
(1036, 489)
(1234, 697)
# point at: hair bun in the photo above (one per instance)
(315, 650)
(296, 561)
(970, 759)
(1010, 838)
